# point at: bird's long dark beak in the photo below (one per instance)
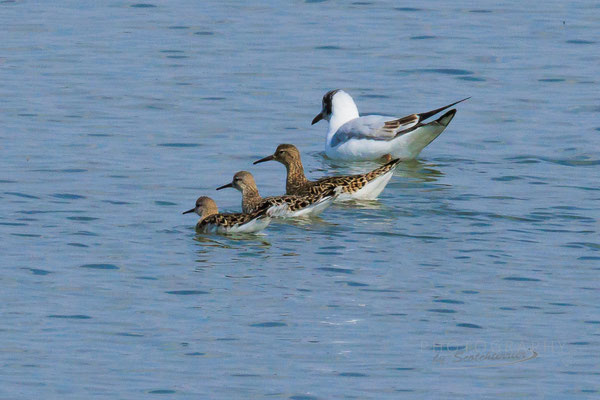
(189, 211)
(267, 158)
(225, 186)
(317, 118)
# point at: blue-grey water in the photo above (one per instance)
(474, 276)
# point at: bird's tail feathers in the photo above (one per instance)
(425, 115)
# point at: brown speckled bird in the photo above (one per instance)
(287, 206)
(359, 187)
(213, 222)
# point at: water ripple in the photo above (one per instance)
(73, 316)
(336, 270)
(99, 266)
(468, 325)
(268, 324)
(187, 292)
(521, 279)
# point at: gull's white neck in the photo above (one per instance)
(343, 110)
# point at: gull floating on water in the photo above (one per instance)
(359, 187)
(213, 222)
(352, 137)
(282, 206)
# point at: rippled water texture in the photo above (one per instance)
(474, 276)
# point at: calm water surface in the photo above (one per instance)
(474, 276)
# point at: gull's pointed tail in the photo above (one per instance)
(410, 144)
(425, 115)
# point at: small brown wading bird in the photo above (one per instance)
(288, 206)
(358, 187)
(213, 222)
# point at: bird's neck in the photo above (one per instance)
(250, 199)
(207, 212)
(340, 116)
(295, 176)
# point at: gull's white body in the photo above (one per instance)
(406, 147)
(352, 137)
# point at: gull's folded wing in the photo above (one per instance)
(379, 127)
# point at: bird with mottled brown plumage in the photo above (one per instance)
(359, 187)
(211, 221)
(289, 205)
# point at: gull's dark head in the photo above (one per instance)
(326, 106)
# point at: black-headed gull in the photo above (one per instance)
(352, 137)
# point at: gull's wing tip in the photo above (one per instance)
(447, 117)
(425, 115)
